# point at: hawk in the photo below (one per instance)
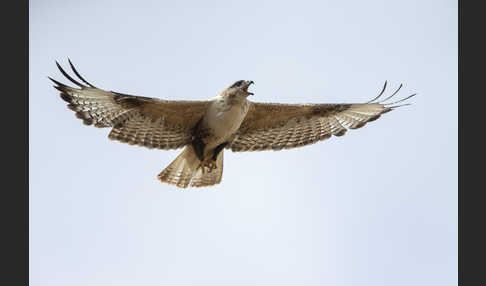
(205, 128)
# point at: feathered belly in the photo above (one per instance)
(224, 120)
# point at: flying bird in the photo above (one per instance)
(205, 128)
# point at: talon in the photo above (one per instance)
(207, 165)
(200, 166)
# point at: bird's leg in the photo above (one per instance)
(198, 133)
(210, 162)
(207, 165)
(198, 146)
(218, 149)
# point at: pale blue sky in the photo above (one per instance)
(377, 206)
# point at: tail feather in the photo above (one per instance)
(184, 171)
(200, 179)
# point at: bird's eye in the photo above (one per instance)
(238, 83)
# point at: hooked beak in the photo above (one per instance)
(248, 85)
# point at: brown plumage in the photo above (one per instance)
(205, 128)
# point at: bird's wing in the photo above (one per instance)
(136, 120)
(273, 126)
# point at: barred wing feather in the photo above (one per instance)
(274, 126)
(137, 120)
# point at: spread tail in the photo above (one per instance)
(186, 171)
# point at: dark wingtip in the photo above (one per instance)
(393, 94)
(78, 75)
(59, 66)
(66, 97)
(400, 105)
(401, 100)
(56, 82)
(60, 88)
(380, 94)
(53, 80)
(68, 76)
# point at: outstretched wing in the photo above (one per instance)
(136, 120)
(273, 126)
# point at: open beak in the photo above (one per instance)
(248, 85)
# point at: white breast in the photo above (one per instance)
(224, 117)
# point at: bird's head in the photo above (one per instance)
(238, 88)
